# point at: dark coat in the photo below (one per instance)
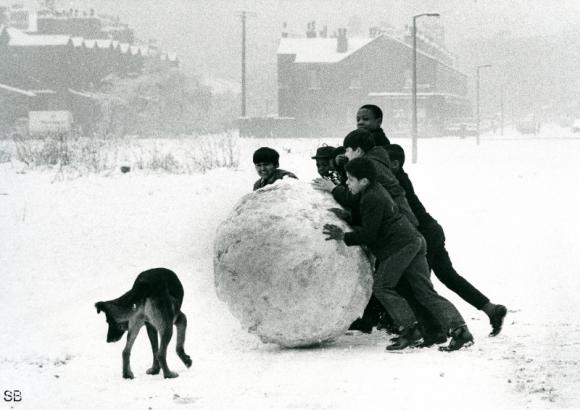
(386, 178)
(428, 226)
(275, 176)
(380, 138)
(383, 229)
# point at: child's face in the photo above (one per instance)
(324, 166)
(352, 154)
(356, 185)
(395, 165)
(265, 169)
(365, 119)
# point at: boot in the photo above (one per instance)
(410, 337)
(460, 336)
(496, 319)
(431, 339)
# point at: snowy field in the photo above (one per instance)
(510, 212)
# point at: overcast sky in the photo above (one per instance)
(210, 29)
(206, 34)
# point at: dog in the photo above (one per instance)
(154, 301)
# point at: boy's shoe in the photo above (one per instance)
(410, 337)
(460, 337)
(496, 319)
(386, 323)
(361, 325)
(431, 339)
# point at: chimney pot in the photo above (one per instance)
(341, 41)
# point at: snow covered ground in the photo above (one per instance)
(510, 211)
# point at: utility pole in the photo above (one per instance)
(501, 108)
(414, 132)
(244, 15)
(243, 63)
(477, 96)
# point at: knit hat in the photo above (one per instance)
(266, 155)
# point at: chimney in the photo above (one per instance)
(311, 29)
(341, 41)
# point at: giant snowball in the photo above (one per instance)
(278, 274)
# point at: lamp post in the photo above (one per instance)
(501, 104)
(414, 114)
(243, 63)
(479, 67)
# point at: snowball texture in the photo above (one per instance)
(278, 274)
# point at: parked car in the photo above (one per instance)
(528, 125)
(461, 127)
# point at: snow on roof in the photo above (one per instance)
(124, 47)
(319, 49)
(103, 43)
(395, 94)
(77, 41)
(85, 94)
(134, 50)
(17, 90)
(172, 56)
(20, 39)
(323, 50)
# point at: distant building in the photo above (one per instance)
(53, 67)
(323, 80)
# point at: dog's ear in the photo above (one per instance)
(100, 306)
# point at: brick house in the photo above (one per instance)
(60, 72)
(323, 80)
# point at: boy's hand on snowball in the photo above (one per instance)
(333, 232)
(323, 184)
(340, 213)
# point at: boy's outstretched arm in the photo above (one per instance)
(342, 214)
(340, 193)
(323, 184)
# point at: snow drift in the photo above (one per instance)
(278, 274)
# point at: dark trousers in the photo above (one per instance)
(410, 263)
(440, 263)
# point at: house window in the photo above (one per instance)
(356, 81)
(313, 80)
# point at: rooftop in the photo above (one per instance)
(320, 49)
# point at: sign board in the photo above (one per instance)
(45, 122)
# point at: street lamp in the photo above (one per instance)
(414, 118)
(477, 96)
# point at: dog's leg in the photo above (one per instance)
(152, 333)
(131, 336)
(166, 334)
(181, 325)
